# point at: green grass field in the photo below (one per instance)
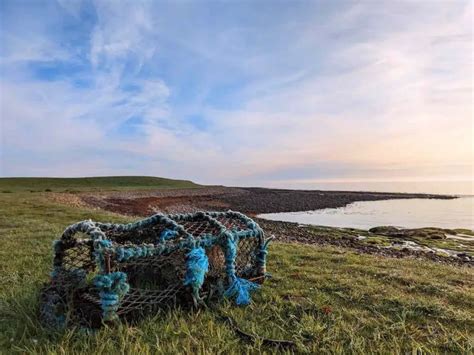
(324, 299)
(105, 183)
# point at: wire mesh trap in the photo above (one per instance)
(105, 272)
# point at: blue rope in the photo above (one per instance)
(240, 289)
(168, 234)
(112, 288)
(197, 266)
(261, 256)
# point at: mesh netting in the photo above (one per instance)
(104, 272)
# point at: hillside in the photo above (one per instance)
(39, 184)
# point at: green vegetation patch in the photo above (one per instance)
(322, 298)
(8, 185)
(390, 236)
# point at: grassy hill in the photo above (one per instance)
(39, 184)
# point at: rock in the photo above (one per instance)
(384, 230)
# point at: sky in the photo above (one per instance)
(267, 93)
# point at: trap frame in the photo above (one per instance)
(105, 272)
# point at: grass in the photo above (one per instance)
(327, 300)
(9, 185)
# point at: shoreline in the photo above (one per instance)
(253, 201)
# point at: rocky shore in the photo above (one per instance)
(428, 243)
(247, 200)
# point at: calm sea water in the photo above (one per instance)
(408, 213)
(430, 187)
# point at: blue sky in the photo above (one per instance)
(237, 92)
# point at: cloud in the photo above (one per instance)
(122, 33)
(228, 94)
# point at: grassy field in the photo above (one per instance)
(106, 183)
(324, 299)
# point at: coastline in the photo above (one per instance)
(427, 243)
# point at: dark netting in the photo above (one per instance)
(103, 272)
(79, 257)
(245, 261)
(231, 223)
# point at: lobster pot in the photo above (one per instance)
(104, 272)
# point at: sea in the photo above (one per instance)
(462, 187)
(402, 213)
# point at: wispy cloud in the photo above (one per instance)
(229, 93)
